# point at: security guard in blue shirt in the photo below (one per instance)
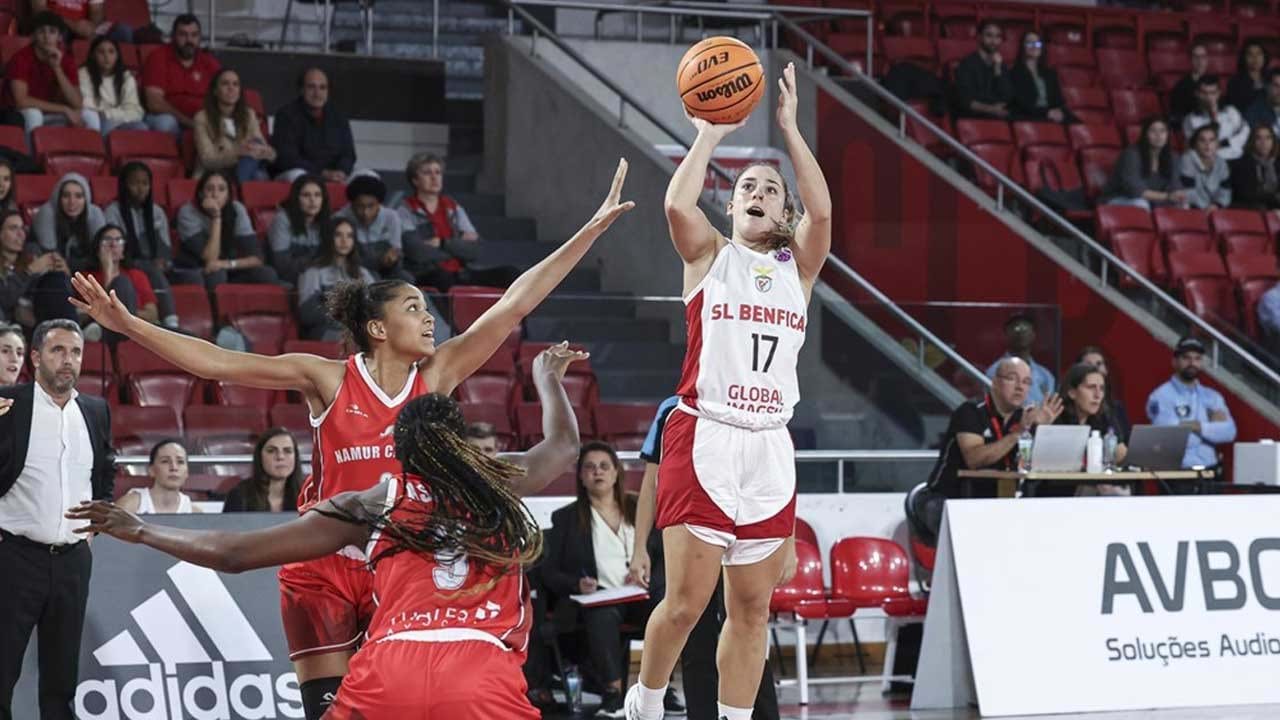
(1182, 400)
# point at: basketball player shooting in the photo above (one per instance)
(726, 481)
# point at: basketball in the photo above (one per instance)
(720, 80)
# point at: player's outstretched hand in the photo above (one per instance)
(105, 308)
(787, 101)
(105, 517)
(612, 207)
(555, 359)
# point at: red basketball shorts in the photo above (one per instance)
(325, 604)
(411, 680)
(731, 487)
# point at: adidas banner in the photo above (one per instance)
(165, 639)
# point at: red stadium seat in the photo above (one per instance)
(1167, 68)
(294, 417)
(180, 192)
(153, 380)
(224, 421)
(1217, 34)
(1132, 106)
(1039, 134)
(1064, 30)
(257, 194)
(10, 45)
(1114, 31)
(69, 149)
(1062, 56)
(126, 145)
(260, 312)
(150, 423)
(1055, 168)
(14, 138)
(105, 189)
(1164, 33)
(1140, 251)
(469, 302)
(529, 423)
(1184, 221)
(264, 332)
(1089, 104)
(1112, 218)
(970, 131)
(1213, 299)
(805, 532)
(1187, 241)
(1252, 267)
(497, 415)
(579, 382)
(32, 191)
(1122, 69)
(1223, 65)
(1247, 245)
(1087, 136)
(129, 56)
(1187, 265)
(1002, 157)
(953, 50)
(1251, 291)
(195, 315)
(323, 348)
(492, 388)
(624, 425)
(1077, 76)
(1228, 222)
(1095, 168)
(261, 219)
(231, 394)
(918, 132)
(917, 50)
(134, 13)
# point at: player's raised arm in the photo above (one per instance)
(462, 355)
(314, 376)
(560, 440)
(813, 233)
(694, 237)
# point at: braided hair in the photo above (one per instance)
(474, 509)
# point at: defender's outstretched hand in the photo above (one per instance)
(612, 207)
(105, 517)
(105, 308)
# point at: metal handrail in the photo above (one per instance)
(1022, 194)
(802, 456)
(902, 316)
(513, 9)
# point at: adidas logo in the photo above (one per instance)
(183, 679)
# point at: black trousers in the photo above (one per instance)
(702, 679)
(45, 591)
(604, 637)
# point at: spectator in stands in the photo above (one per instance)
(440, 243)
(277, 476)
(146, 232)
(1146, 173)
(131, 286)
(13, 353)
(1266, 109)
(1182, 400)
(85, 18)
(295, 231)
(588, 549)
(338, 261)
(1204, 172)
(8, 186)
(377, 226)
(1182, 99)
(227, 133)
(20, 264)
(310, 136)
(1249, 83)
(1254, 183)
(217, 237)
(1232, 129)
(168, 471)
(483, 435)
(68, 221)
(1084, 393)
(1094, 355)
(984, 434)
(43, 81)
(1019, 338)
(1037, 95)
(1269, 318)
(108, 88)
(175, 78)
(982, 86)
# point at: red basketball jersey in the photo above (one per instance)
(353, 443)
(435, 598)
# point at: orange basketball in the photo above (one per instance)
(720, 80)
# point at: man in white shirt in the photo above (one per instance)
(55, 452)
(1233, 131)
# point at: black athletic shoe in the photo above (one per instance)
(671, 703)
(611, 704)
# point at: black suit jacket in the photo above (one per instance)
(15, 433)
(1024, 94)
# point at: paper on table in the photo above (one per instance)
(612, 596)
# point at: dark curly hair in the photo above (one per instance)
(353, 304)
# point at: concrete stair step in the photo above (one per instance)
(646, 385)
(480, 204)
(493, 227)
(589, 329)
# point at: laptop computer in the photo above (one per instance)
(1153, 447)
(1059, 448)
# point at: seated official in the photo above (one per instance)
(1084, 402)
(589, 548)
(983, 435)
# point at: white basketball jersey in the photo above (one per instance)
(745, 324)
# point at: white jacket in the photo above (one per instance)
(1233, 131)
(120, 110)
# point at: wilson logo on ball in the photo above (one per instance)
(742, 83)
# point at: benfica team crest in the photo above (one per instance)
(764, 278)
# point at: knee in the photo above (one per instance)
(752, 611)
(683, 610)
(163, 122)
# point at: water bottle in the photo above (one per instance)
(573, 689)
(1109, 443)
(1093, 453)
(1025, 441)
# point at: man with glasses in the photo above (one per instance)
(983, 434)
(982, 86)
(1019, 338)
